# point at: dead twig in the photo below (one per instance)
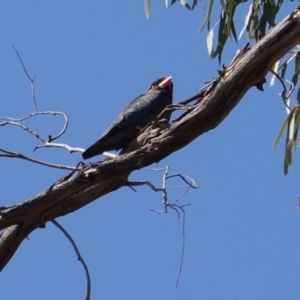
(11, 154)
(284, 94)
(179, 209)
(79, 256)
(56, 145)
(29, 77)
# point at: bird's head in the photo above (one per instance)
(164, 83)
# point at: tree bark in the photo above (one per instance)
(248, 69)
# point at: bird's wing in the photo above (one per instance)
(136, 110)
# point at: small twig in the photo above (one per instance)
(182, 249)
(80, 258)
(56, 145)
(29, 77)
(192, 182)
(177, 208)
(24, 127)
(184, 193)
(11, 154)
(144, 182)
(202, 92)
(284, 95)
(17, 122)
(171, 108)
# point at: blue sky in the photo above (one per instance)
(92, 58)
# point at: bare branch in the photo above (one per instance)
(11, 154)
(284, 95)
(17, 122)
(71, 149)
(178, 208)
(245, 72)
(24, 127)
(79, 256)
(191, 181)
(55, 145)
(144, 182)
(182, 249)
(29, 77)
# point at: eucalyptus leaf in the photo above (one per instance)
(210, 41)
(247, 20)
(207, 17)
(280, 132)
(185, 4)
(147, 4)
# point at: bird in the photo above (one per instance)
(134, 117)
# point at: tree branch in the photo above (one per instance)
(94, 181)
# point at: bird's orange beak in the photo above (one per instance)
(166, 82)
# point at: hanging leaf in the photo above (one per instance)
(275, 69)
(222, 37)
(278, 6)
(247, 20)
(297, 68)
(261, 30)
(233, 31)
(287, 160)
(298, 96)
(230, 8)
(194, 4)
(208, 15)
(210, 41)
(280, 132)
(283, 69)
(269, 12)
(296, 126)
(147, 4)
(291, 127)
(185, 4)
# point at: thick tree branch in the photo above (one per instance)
(247, 70)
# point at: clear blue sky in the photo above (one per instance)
(91, 58)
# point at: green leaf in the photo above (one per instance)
(254, 20)
(296, 125)
(261, 31)
(230, 6)
(208, 15)
(283, 69)
(295, 78)
(287, 160)
(194, 4)
(247, 20)
(298, 96)
(291, 126)
(297, 62)
(275, 69)
(210, 41)
(296, 69)
(222, 37)
(233, 31)
(282, 127)
(278, 6)
(269, 12)
(185, 4)
(147, 4)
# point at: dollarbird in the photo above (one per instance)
(134, 117)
